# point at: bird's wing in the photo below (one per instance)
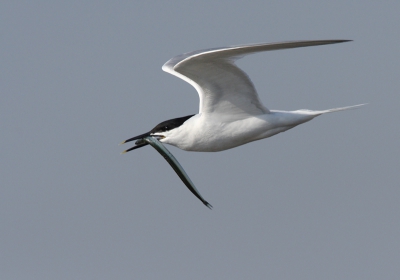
(222, 86)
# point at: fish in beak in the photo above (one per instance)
(152, 140)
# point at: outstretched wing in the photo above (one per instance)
(224, 88)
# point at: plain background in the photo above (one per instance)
(320, 201)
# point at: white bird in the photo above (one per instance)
(231, 113)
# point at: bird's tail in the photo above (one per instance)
(338, 109)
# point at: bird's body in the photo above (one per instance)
(211, 133)
(230, 112)
(214, 133)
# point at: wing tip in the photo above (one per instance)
(343, 40)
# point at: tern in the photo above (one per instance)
(231, 113)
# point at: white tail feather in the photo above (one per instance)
(339, 109)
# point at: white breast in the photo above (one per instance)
(213, 133)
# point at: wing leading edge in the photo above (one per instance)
(223, 87)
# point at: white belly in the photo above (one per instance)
(210, 133)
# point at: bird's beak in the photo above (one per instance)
(146, 139)
(140, 142)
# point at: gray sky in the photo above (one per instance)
(320, 201)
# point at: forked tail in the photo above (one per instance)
(339, 109)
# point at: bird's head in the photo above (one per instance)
(160, 131)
